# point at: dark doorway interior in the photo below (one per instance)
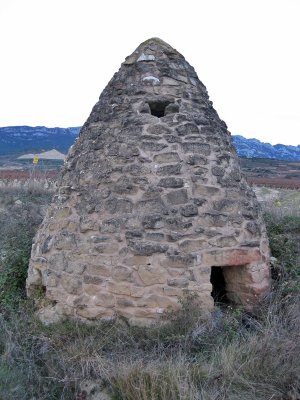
(158, 107)
(218, 285)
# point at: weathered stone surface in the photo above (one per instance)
(171, 182)
(152, 274)
(95, 280)
(231, 257)
(98, 270)
(196, 147)
(72, 284)
(203, 190)
(226, 241)
(112, 225)
(155, 236)
(166, 158)
(121, 273)
(173, 169)
(159, 129)
(178, 223)
(119, 288)
(146, 248)
(178, 261)
(218, 171)
(152, 221)
(121, 206)
(91, 313)
(177, 197)
(192, 245)
(149, 200)
(172, 109)
(155, 301)
(190, 210)
(196, 159)
(150, 206)
(152, 146)
(187, 129)
(178, 282)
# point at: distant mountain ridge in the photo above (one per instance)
(28, 139)
(254, 148)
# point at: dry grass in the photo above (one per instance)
(234, 357)
(279, 202)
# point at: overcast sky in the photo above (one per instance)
(58, 55)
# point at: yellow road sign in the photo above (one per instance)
(35, 159)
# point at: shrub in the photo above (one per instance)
(284, 235)
(18, 223)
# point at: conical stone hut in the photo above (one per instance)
(150, 203)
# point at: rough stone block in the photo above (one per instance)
(181, 282)
(125, 302)
(121, 206)
(146, 248)
(107, 248)
(95, 312)
(34, 278)
(231, 257)
(177, 197)
(173, 291)
(171, 182)
(92, 279)
(178, 223)
(172, 169)
(155, 301)
(136, 261)
(190, 246)
(152, 221)
(152, 274)
(178, 261)
(166, 158)
(98, 270)
(156, 236)
(50, 278)
(63, 212)
(124, 185)
(122, 273)
(172, 109)
(187, 129)
(105, 299)
(226, 241)
(205, 191)
(159, 129)
(218, 171)
(196, 147)
(189, 210)
(151, 206)
(119, 288)
(112, 225)
(141, 291)
(153, 146)
(72, 284)
(196, 159)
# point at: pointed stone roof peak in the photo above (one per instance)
(157, 42)
(150, 49)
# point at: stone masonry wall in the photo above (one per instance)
(150, 198)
